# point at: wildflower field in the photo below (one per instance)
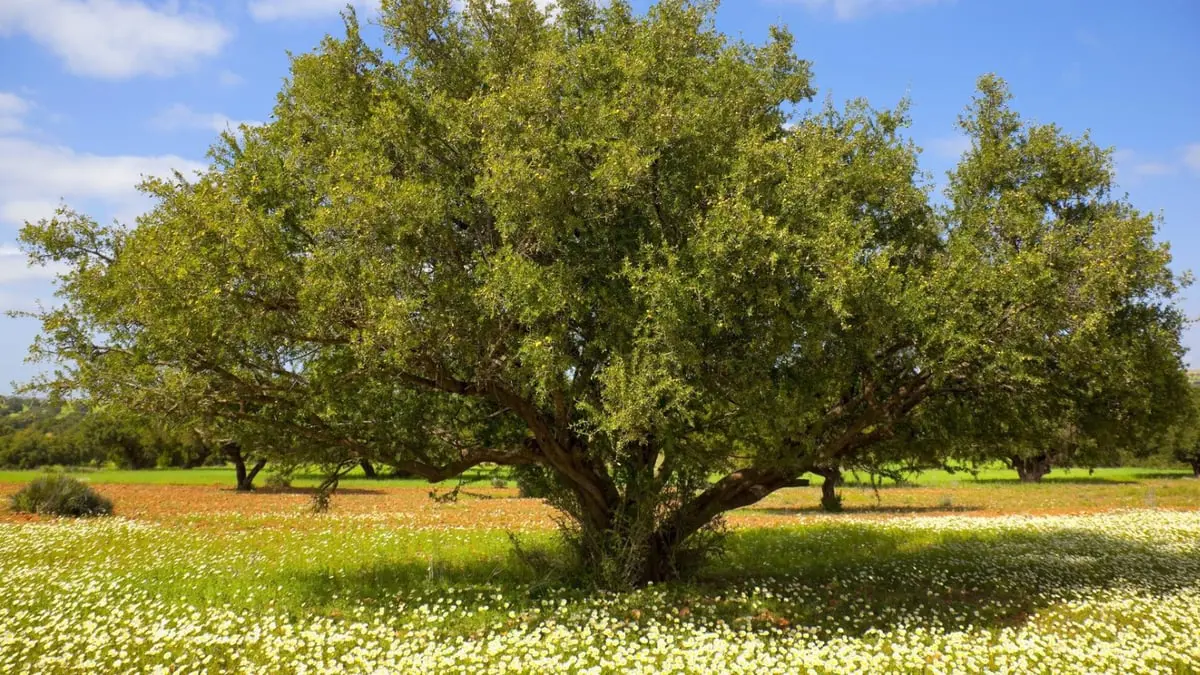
(199, 579)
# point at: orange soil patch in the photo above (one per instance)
(406, 506)
(498, 508)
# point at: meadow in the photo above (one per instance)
(1085, 573)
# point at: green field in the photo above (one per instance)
(219, 476)
(224, 476)
(391, 581)
(357, 594)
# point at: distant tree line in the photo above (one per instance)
(36, 433)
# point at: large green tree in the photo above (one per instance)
(621, 250)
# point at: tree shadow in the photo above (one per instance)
(1163, 475)
(855, 577)
(840, 578)
(1051, 480)
(310, 491)
(861, 510)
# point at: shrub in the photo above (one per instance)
(279, 480)
(59, 495)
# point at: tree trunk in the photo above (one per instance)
(678, 544)
(1196, 468)
(249, 483)
(245, 479)
(1031, 469)
(833, 480)
(368, 469)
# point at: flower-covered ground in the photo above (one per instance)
(225, 591)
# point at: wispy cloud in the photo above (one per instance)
(295, 10)
(35, 176)
(848, 10)
(13, 109)
(1152, 169)
(228, 78)
(950, 147)
(1137, 166)
(116, 39)
(1191, 156)
(181, 117)
(283, 10)
(14, 267)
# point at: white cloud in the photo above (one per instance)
(12, 112)
(36, 176)
(14, 267)
(22, 210)
(283, 10)
(950, 147)
(847, 10)
(1135, 166)
(1152, 169)
(277, 10)
(228, 78)
(1191, 156)
(179, 117)
(115, 38)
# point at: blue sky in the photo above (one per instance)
(95, 93)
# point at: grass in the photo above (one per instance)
(1003, 475)
(352, 595)
(219, 476)
(224, 476)
(203, 579)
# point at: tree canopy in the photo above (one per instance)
(624, 250)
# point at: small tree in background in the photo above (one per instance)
(1181, 441)
(605, 245)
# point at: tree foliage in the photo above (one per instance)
(622, 248)
(37, 433)
(1180, 442)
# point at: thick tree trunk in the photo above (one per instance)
(368, 469)
(1031, 469)
(1196, 468)
(672, 549)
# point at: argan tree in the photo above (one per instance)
(621, 250)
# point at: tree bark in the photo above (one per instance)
(1196, 468)
(368, 469)
(833, 479)
(249, 484)
(1031, 469)
(245, 478)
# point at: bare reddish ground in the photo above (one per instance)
(500, 508)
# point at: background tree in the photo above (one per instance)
(1181, 441)
(604, 245)
(36, 433)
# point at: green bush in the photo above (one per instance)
(59, 495)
